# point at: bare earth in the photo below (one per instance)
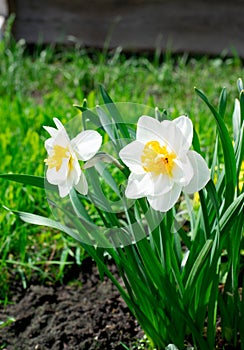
(87, 315)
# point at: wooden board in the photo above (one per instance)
(198, 27)
(3, 16)
(3, 8)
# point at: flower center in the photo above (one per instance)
(157, 159)
(55, 160)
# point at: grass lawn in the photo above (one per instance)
(37, 86)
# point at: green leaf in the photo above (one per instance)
(198, 264)
(41, 220)
(229, 156)
(211, 190)
(215, 160)
(87, 114)
(205, 215)
(100, 200)
(90, 232)
(196, 142)
(78, 206)
(97, 196)
(241, 316)
(36, 181)
(212, 312)
(114, 113)
(110, 105)
(242, 105)
(230, 214)
(222, 103)
(183, 235)
(109, 179)
(102, 157)
(107, 124)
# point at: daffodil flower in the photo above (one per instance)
(64, 154)
(161, 162)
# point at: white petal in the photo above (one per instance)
(61, 128)
(57, 177)
(186, 128)
(167, 200)
(201, 173)
(58, 124)
(139, 185)
(62, 139)
(182, 171)
(172, 136)
(64, 189)
(86, 144)
(178, 172)
(131, 156)
(74, 173)
(82, 186)
(148, 129)
(162, 184)
(72, 177)
(52, 131)
(49, 143)
(166, 133)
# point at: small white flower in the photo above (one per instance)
(63, 154)
(161, 163)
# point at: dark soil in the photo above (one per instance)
(87, 314)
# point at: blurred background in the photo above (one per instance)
(195, 26)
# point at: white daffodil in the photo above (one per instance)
(63, 155)
(161, 163)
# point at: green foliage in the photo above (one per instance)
(174, 295)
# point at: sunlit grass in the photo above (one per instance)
(37, 86)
